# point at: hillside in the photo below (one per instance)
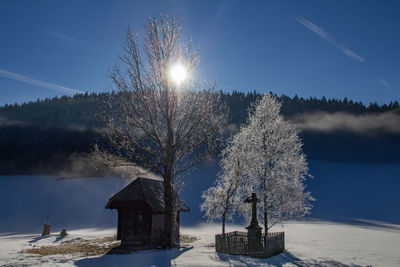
(53, 136)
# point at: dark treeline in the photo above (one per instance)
(239, 103)
(64, 112)
(80, 110)
(54, 135)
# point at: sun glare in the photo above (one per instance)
(178, 73)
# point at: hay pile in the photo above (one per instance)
(88, 247)
(187, 239)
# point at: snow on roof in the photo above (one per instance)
(142, 189)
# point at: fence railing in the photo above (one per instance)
(237, 243)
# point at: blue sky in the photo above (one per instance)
(310, 48)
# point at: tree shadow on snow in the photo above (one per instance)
(372, 224)
(38, 238)
(59, 238)
(279, 261)
(135, 258)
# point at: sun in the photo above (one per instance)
(178, 73)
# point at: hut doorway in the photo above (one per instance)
(135, 225)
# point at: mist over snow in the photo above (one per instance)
(70, 203)
(369, 124)
(345, 192)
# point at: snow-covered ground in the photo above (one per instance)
(355, 194)
(308, 244)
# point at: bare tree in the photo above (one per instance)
(227, 196)
(161, 125)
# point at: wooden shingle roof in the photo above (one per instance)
(142, 189)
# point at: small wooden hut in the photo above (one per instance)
(140, 209)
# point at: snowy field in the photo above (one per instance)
(307, 244)
(355, 220)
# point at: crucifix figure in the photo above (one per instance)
(253, 230)
(253, 200)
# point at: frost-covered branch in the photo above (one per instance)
(153, 122)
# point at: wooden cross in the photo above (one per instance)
(253, 200)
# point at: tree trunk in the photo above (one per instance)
(223, 222)
(168, 215)
(265, 222)
(174, 232)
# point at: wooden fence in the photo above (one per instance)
(237, 243)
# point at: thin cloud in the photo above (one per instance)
(7, 122)
(51, 86)
(369, 124)
(327, 36)
(67, 38)
(384, 82)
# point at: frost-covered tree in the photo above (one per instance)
(276, 164)
(155, 118)
(226, 197)
(264, 157)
